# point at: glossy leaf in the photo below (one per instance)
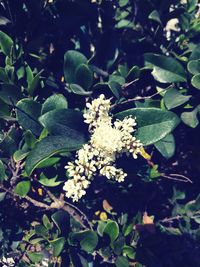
(165, 69)
(6, 43)
(196, 81)
(50, 146)
(84, 76)
(173, 98)
(166, 146)
(56, 101)
(27, 115)
(153, 124)
(72, 60)
(112, 230)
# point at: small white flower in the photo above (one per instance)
(172, 25)
(108, 141)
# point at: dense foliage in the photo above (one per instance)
(59, 55)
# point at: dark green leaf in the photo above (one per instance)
(2, 171)
(27, 115)
(33, 85)
(88, 240)
(56, 101)
(190, 118)
(48, 162)
(115, 88)
(166, 146)
(84, 76)
(66, 122)
(72, 60)
(35, 256)
(173, 98)
(78, 90)
(58, 245)
(193, 66)
(153, 124)
(165, 69)
(154, 15)
(112, 230)
(122, 262)
(50, 146)
(9, 93)
(196, 81)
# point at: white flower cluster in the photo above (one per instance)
(7, 262)
(108, 141)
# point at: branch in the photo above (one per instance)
(56, 204)
(137, 97)
(75, 212)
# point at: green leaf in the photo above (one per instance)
(6, 43)
(58, 245)
(35, 256)
(101, 227)
(115, 88)
(122, 262)
(66, 122)
(22, 188)
(123, 3)
(190, 118)
(29, 75)
(2, 196)
(30, 139)
(153, 124)
(78, 90)
(154, 15)
(173, 98)
(50, 146)
(133, 74)
(166, 146)
(27, 115)
(196, 81)
(48, 162)
(193, 66)
(112, 230)
(9, 93)
(20, 155)
(154, 173)
(165, 69)
(72, 60)
(3, 75)
(33, 85)
(49, 182)
(47, 222)
(88, 240)
(2, 171)
(56, 101)
(124, 23)
(129, 252)
(61, 220)
(84, 76)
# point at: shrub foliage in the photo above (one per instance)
(58, 55)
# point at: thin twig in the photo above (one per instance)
(70, 208)
(174, 177)
(182, 176)
(137, 98)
